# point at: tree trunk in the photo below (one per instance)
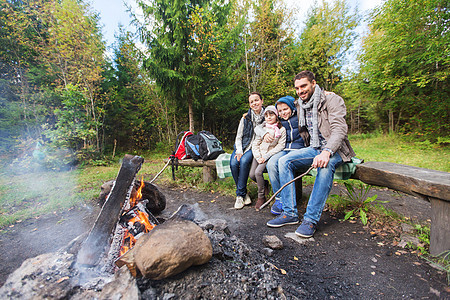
(191, 115)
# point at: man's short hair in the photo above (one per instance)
(305, 74)
(256, 93)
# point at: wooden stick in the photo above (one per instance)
(286, 184)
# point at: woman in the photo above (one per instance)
(242, 157)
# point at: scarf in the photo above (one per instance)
(314, 103)
(257, 119)
(275, 128)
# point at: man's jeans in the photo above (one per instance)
(272, 169)
(301, 160)
(240, 170)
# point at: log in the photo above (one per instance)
(98, 238)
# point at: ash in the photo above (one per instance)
(234, 272)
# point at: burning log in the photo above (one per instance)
(156, 200)
(98, 238)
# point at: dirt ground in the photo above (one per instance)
(344, 260)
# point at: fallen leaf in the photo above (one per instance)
(398, 253)
(325, 234)
(201, 201)
(380, 244)
(212, 201)
(62, 279)
(283, 271)
(373, 273)
(417, 263)
(34, 229)
(295, 258)
(11, 226)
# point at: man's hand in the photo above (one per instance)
(261, 160)
(321, 160)
(238, 156)
(268, 138)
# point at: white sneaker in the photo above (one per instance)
(247, 200)
(239, 202)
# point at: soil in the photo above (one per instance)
(343, 260)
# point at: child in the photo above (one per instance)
(242, 157)
(262, 151)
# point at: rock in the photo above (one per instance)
(298, 239)
(215, 224)
(407, 238)
(408, 228)
(171, 248)
(272, 242)
(123, 287)
(267, 251)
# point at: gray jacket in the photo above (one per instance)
(332, 125)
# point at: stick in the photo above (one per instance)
(286, 184)
(160, 171)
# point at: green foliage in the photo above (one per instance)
(405, 67)
(423, 234)
(355, 203)
(442, 262)
(324, 42)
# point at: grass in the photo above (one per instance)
(391, 148)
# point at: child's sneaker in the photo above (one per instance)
(277, 207)
(247, 200)
(306, 229)
(282, 220)
(239, 202)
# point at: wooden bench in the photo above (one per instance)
(430, 185)
(209, 167)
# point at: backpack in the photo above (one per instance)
(179, 150)
(203, 145)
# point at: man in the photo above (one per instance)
(324, 115)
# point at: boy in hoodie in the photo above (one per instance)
(289, 120)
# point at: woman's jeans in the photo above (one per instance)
(300, 160)
(240, 170)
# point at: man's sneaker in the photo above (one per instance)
(306, 229)
(239, 202)
(277, 208)
(247, 200)
(282, 220)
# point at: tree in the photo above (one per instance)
(406, 66)
(324, 42)
(267, 49)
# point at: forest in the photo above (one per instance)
(190, 64)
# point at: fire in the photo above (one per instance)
(137, 221)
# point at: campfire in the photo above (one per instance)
(136, 219)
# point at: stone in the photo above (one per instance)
(272, 242)
(267, 251)
(171, 248)
(408, 228)
(298, 239)
(123, 287)
(407, 238)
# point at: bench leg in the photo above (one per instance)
(209, 174)
(440, 226)
(298, 191)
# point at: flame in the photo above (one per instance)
(138, 195)
(141, 218)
